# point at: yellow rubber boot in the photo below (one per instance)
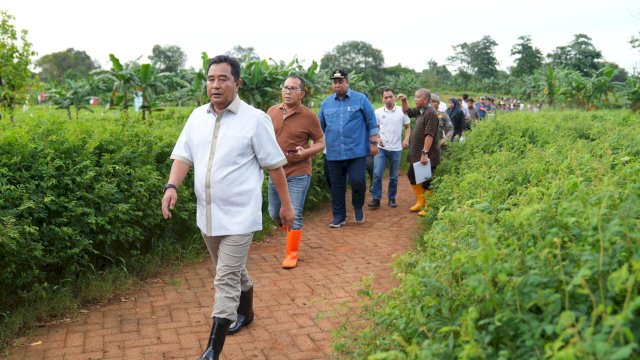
(293, 245)
(419, 190)
(427, 194)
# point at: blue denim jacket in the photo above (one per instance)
(347, 125)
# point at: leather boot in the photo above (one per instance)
(245, 312)
(419, 191)
(216, 339)
(427, 195)
(293, 245)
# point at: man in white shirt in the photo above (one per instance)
(228, 143)
(391, 120)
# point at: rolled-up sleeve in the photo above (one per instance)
(370, 118)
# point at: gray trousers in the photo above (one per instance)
(229, 255)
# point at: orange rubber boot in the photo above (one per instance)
(293, 245)
(419, 190)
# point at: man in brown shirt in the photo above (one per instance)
(423, 143)
(294, 125)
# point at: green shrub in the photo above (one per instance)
(80, 200)
(531, 248)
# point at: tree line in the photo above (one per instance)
(572, 75)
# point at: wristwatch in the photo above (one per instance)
(424, 152)
(373, 142)
(169, 186)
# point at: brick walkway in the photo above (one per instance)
(295, 309)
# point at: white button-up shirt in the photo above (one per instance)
(228, 152)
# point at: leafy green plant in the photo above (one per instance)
(72, 94)
(530, 248)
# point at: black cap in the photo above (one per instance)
(339, 74)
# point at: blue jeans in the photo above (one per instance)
(379, 163)
(339, 170)
(298, 187)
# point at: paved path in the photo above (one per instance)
(295, 309)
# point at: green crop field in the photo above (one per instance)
(531, 249)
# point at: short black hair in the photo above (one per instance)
(384, 90)
(302, 83)
(465, 97)
(226, 59)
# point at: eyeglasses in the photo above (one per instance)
(290, 89)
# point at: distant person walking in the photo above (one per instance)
(457, 118)
(391, 121)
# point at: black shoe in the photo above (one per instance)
(374, 203)
(337, 223)
(358, 215)
(245, 312)
(392, 203)
(216, 339)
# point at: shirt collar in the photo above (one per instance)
(348, 94)
(390, 111)
(233, 107)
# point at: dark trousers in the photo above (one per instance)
(412, 177)
(326, 169)
(339, 171)
(370, 161)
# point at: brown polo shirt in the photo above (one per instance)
(295, 129)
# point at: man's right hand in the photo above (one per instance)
(168, 202)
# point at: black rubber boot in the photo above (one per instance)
(245, 312)
(216, 339)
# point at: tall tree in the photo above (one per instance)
(69, 64)
(529, 57)
(435, 75)
(243, 54)
(168, 58)
(358, 56)
(477, 58)
(635, 41)
(580, 55)
(15, 59)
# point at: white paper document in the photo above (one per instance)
(423, 172)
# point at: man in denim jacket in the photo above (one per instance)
(348, 121)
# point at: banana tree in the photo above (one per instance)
(633, 92)
(149, 85)
(198, 87)
(124, 81)
(601, 86)
(72, 94)
(261, 82)
(551, 83)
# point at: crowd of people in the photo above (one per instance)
(228, 143)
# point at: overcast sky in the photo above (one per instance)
(406, 31)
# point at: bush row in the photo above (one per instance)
(531, 248)
(79, 197)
